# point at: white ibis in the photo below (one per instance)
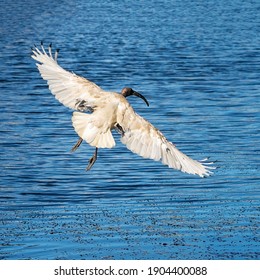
(108, 111)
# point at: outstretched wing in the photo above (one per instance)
(71, 90)
(142, 138)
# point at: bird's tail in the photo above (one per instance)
(86, 127)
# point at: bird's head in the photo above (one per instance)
(129, 91)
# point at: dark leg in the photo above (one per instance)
(92, 160)
(77, 145)
(119, 129)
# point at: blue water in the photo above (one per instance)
(198, 64)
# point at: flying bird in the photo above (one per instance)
(98, 112)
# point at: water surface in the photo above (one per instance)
(198, 64)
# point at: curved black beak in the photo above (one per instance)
(141, 96)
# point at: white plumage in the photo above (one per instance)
(108, 111)
(93, 130)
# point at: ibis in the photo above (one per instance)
(97, 112)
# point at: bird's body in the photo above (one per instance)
(108, 111)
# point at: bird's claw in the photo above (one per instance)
(92, 160)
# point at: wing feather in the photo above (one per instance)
(142, 138)
(67, 87)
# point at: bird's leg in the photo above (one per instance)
(77, 145)
(92, 160)
(119, 129)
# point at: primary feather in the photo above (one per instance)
(67, 87)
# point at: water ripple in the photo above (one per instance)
(199, 69)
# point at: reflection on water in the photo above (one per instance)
(198, 68)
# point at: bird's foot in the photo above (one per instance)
(119, 129)
(92, 160)
(77, 145)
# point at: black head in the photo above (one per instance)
(129, 91)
